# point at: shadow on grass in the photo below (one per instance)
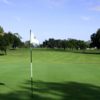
(2, 83)
(98, 53)
(1, 54)
(67, 50)
(86, 52)
(54, 91)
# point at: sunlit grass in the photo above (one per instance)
(48, 66)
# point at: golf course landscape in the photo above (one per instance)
(49, 49)
(57, 75)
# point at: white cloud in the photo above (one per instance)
(7, 2)
(55, 3)
(95, 8)
(85, 18)
(91, 5)
(18, 19)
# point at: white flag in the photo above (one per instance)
(33, 40)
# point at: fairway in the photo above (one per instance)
(57, 75)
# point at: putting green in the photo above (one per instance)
(53, 72)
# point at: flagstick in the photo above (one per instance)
(31, 65)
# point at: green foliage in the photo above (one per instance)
(1, 30)
(70, 44)
(95, 39)
(10, 39)
(3, 42)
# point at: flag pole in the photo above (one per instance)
(31, 74)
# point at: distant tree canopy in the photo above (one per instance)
(13, 40)
(95, 39)
(9, 39)
(69, 44)
(1, 30)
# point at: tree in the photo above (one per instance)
(81, 44)
(16, 42)
(64, 44)
(95, 39)
(58, 43)
(18, 36)
(12, 40)
(70, 44)
(45, 43)
(2, 41)
(9, 40)
(1, 31)
(98, 38)
(3, 44)
(51, 43)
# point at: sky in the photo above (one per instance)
(59, 19)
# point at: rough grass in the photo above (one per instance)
(57, 75)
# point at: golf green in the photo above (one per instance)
(57, 75)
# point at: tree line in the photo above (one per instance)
(13, 40)
(74, 43)
(65, 44)
(9, 40)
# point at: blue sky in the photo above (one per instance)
(59, 19)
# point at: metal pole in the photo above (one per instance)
(31, 66)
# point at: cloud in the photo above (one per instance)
(55, 3)
(95, 8)
(91, 5)
(85, 18)
(18, 19)
(7, 2)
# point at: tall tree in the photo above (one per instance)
(98, 38)
(95, 39)
(64, 44)
(1, 30)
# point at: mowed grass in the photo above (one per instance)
(57, 75)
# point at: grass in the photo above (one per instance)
(57, 75)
